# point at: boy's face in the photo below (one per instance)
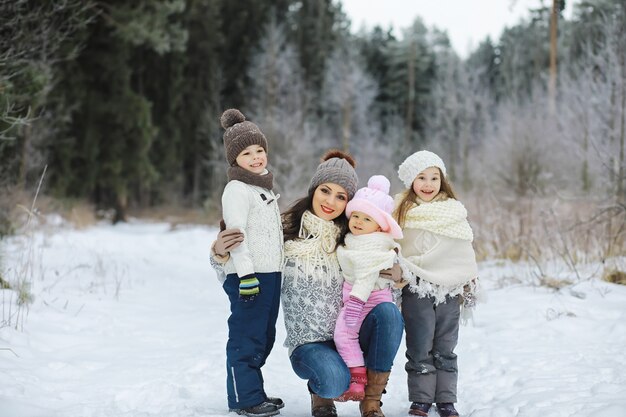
(253, 159)
(362, 224)
(427, 184)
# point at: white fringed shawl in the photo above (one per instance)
(437, 249)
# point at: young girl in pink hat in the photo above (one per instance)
(369, 248)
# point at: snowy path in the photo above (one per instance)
(130, 321)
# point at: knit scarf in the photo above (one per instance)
(314, 250)
(366, 254)
(446, 217)
(265, 180)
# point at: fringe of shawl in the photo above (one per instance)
(425, 289)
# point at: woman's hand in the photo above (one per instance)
(227, 240)
(394, 273)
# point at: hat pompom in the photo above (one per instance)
(380, 183)
(336, 153)
(231, 117)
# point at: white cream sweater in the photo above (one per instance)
(254, 211)
(361, 260)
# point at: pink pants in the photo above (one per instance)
(347, 338)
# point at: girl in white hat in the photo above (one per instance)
(439, 263)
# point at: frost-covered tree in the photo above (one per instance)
(349, 95)
(34, 38)
(520, 152)
(278, 103)
(458, 108)
(593, 99)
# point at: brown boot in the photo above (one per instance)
(322, 407)
(376, 383)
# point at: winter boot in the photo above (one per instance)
(376, 383)
(276, 401)
(265, 409)
(447, 410)
(322, 407)
(356, 389)
(419, 409)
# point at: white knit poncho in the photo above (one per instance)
(437, 249)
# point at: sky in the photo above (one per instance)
(467, 21)
(130, 321)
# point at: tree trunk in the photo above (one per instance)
(410, 105)
(23, 163)
(346, 111)
(121, 208)
(347, 121)
(554, 18)
(621, 194)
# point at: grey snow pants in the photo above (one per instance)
(432, 332)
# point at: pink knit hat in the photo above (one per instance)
(375, 201)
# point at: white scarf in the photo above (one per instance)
(447, 218)
(314, 250)
(366, 254)
(363, 257)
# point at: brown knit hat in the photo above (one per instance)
(336, 167)
(239, 134)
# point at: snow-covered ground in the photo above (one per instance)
(129, 320)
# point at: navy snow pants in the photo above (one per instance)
(251, 336)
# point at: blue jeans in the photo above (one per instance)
(328, 375)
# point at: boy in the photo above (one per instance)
(253, 277)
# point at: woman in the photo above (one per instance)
(311, 293)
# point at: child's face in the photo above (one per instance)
(362, 224)
(253, 159)
(427, 183)
(329, 201)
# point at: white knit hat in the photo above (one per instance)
(416, 163)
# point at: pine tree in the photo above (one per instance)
(410, 77)
(111, 122)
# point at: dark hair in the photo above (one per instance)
(292, 218)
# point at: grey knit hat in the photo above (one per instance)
(337, 167)
(239, 134)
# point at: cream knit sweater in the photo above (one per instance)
(254, 211)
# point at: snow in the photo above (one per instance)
(129, 320)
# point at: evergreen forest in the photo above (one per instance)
(120, 101)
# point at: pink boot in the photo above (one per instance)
(356, 390)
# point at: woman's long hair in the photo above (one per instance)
(292, 219)
(409, 199)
